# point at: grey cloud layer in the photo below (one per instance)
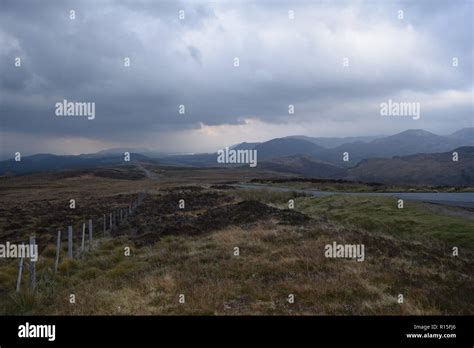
(189, 62)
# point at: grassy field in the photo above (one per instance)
(191, 252)
(380, 215)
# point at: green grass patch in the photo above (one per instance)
(381, 214)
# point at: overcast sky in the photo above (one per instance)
(190, 61)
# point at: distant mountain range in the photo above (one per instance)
(331, 150)
(420, 169)
(411, 157)
(405, 143)
(332, 142)
(48, 162)
(408, 143)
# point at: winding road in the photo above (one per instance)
(457, 199)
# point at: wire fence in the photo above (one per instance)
(82, 235)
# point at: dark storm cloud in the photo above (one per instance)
(190, 62)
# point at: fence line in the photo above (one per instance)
(83, 236)
(20, 272)
(32, 265)
(90, 233)
(116, 214)
(58, 250)
(69, 242)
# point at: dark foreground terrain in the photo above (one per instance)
(230, 250)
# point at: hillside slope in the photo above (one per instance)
(420, 169)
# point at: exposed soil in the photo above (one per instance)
(242, 214)
(169, 203)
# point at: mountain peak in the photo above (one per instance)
(416, 132)
(244, 146)
(464, 133)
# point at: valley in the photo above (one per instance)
(230, 250)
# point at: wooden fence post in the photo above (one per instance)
(58, 249)
(110, 221)
(90, 233)
(105, 223)
(20, 272)
(32, 266)
(69, 242)
(83, 236)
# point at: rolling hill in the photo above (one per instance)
(304, 165)
(419, 169)
(410, 157)
(330, 150)
(48, 162)
(437, 169)
(333, 142)
(409, 142)
(281, 147)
